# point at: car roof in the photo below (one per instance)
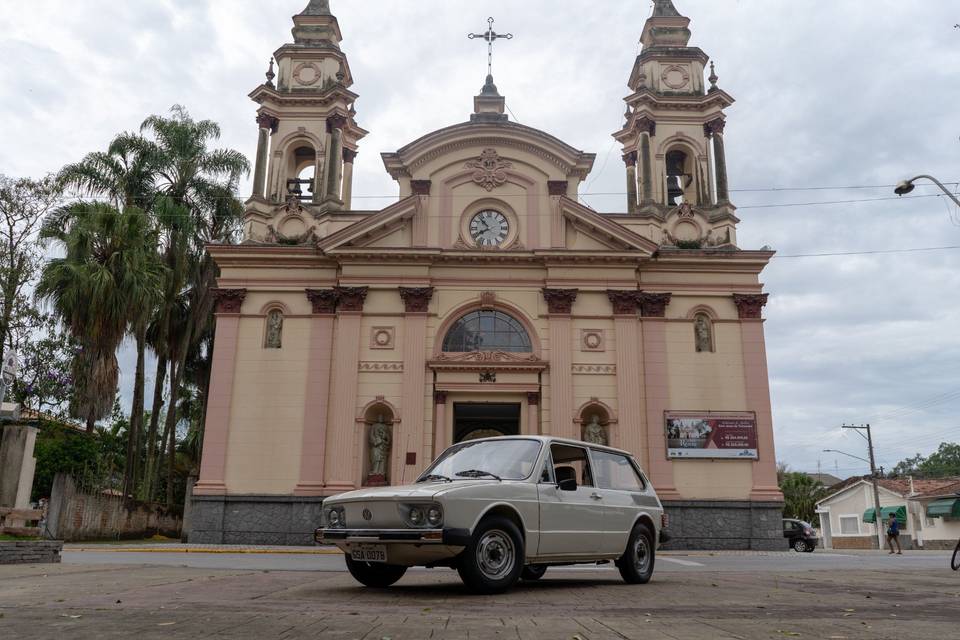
(555, 440)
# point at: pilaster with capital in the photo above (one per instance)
(750, 306)
(346, 193)
(228, 301)
(714, 129)
(416, 299)
(560, 305)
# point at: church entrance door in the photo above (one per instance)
(485, 420)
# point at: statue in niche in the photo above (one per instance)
(380, 440)
(704, 334)
(594, 433)
(274, 329)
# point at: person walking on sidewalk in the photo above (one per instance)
(893, 534)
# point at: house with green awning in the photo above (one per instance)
(928, 512)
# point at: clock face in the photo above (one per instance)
(489, 228)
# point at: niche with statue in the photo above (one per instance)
(595, 424)
(378, 423)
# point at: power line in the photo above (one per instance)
(866, 253)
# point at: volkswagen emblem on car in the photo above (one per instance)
(367, 515)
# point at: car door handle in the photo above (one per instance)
(596, 496)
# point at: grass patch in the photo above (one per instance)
(7, 538)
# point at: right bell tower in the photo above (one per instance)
(672, 140)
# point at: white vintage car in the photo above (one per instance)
(502, 509)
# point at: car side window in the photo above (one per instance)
(616, 471)
(576, 458)
(547, 476)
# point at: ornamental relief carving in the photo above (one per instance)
(307, 74)
(488, 356)
(383, 338)
(381, 367)
(489, 170)
(229, 300)
(592, 340)
(595, 369)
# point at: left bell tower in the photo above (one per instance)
(308, 135)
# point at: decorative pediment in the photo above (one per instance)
(373, 228)
(607, 232)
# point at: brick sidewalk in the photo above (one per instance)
(173, 602)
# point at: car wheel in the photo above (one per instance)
(533, 572)
(810, 548)
(799, 546)
(637, 562)
(493, 561)
(372, 574)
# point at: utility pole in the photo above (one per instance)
(878, 518)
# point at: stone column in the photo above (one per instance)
(416, 302)
(626, 328)
(341, 456)
(335, 124)
(17, 465)
(630, 159)
(560, 307)
(267, 125)
(441, 427)
(317, 405)
(714, 129)
(347, 194)
(213, 468)
(653, 310)
(533, 413)
(757, 383)
(646, 171)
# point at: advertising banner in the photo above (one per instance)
(711, 435)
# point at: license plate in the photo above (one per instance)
(369, 553)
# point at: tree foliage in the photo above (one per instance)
(801, 494)
(945, 462)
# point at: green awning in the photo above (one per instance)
(870, 515)
(944, 508)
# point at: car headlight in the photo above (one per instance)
(435, 516)
(416, 516)
(336, 518)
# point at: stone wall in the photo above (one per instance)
(273, 520)
(30, 551)
(719, 525)
(74, 516)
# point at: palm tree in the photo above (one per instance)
(109, 271)
(124, 175)
(204, 182)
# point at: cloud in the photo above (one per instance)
(836, 94)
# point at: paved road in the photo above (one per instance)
(745, 596)
(309, 560)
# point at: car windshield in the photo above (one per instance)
(507, 459)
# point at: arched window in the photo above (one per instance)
(679, 177)
(487, 331)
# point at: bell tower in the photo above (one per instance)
(308, 136)
(673, 136)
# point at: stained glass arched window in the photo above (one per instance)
(487, 331)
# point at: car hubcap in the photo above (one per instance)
(496, 554)
(641, 554)
(800, 546)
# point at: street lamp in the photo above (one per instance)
(906, 186)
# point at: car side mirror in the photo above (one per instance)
(570, 484)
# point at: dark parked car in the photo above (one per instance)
(800, 535)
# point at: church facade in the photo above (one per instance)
(353, 346)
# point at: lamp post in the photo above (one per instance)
(906, 186)
(872, 460)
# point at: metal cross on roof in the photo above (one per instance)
(490, 36)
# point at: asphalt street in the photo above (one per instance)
(307, 559)
(108, 593)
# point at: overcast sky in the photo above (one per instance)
(838, 93)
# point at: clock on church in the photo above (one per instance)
(489, 228)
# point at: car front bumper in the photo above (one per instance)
(447, 537)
